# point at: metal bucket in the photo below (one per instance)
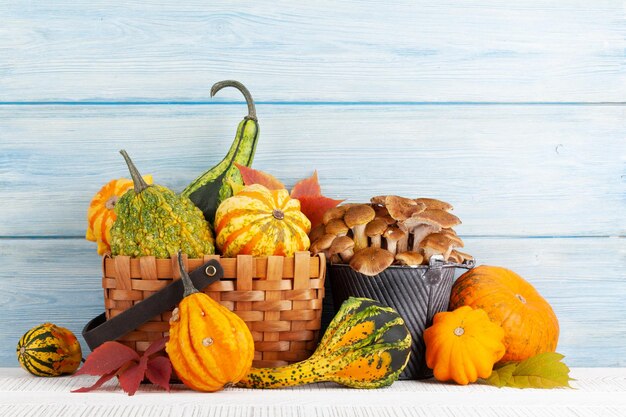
(416, 293)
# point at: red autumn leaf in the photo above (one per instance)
(314, 207)
(104, 378)
(156, 346)
(252, 176)
(308, 187)
(108, 357)
(131, 377)
(159, 372)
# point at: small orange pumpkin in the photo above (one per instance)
(529, 323)
(463, 345)
(210, 347)
(101, 213)
(261, 222)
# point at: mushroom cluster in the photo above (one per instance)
(390, 230)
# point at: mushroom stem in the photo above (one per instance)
(420, 232)
(375, 241)
(403, 243)
(346, 255)
(360, 239)
(392, 246)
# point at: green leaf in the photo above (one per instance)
(544, 370)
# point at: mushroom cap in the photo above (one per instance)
(316, 232)
(383, 213)
(334, 213)
(378, 200)
(358, 215)
(340, 244)
(436, 217)
(437, 242)
(394, 233)
(410, 258)
(433, 203)
(376, 227)
(462, 255)
(336, 227)
(371, 261)
(322, 243)
(452, 238)
(401, 208)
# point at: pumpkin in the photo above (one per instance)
(463, 345)
(529, 323)
(209, 346)
(366, 345)
(153, 221)
(49, 350)
(101, 213)
(261, 222)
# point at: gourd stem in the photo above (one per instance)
(138, 181)
(187, 284)
(246, 94)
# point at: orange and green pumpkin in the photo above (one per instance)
(529, 323)
(261, 222)
(209, 346)
(49, 350)
(463, 345)
(101, 212)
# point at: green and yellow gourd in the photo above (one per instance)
(153, 221)
(214, 186)
(367, 345)
(49, 350)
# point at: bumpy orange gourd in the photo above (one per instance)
(529, 323)
(463, 345)
(101, 213)
(261, 222)
(210, 347)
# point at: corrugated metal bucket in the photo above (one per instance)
(417, 293)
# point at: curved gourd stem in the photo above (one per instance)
(246, 94)
(187, 284)
(138, 180)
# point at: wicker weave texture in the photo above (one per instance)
(279, 298)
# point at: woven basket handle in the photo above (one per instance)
(100, 330)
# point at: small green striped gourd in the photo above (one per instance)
(261, 222)
(367, 345)
(49, 350)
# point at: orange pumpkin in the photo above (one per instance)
(463, 345)
(101, 213)
(261, 222)
(529, 323)
(210, 347)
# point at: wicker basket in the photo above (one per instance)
(279, 298)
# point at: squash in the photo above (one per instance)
(101, 213)
(261, 222)
(366, 345)
(49, 350)
(463, 345)
(216, 184)
(153, 221)
(529, 323)
(209, 346)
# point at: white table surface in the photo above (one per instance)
(598, 392)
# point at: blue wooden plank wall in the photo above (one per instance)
(514, 112)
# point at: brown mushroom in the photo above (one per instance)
(322, 244)
(435, 244)
(392, 235)
(356, 218)
(410, 258)
(337, 227)
(334, 213)
(382, 213)
(461, 256)
(378, 200)
(433, 203)
(342, 246)
(427, 222)
(371, 261)
(453, 239)
(317, 232)
(401, 208)
(374, 230)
